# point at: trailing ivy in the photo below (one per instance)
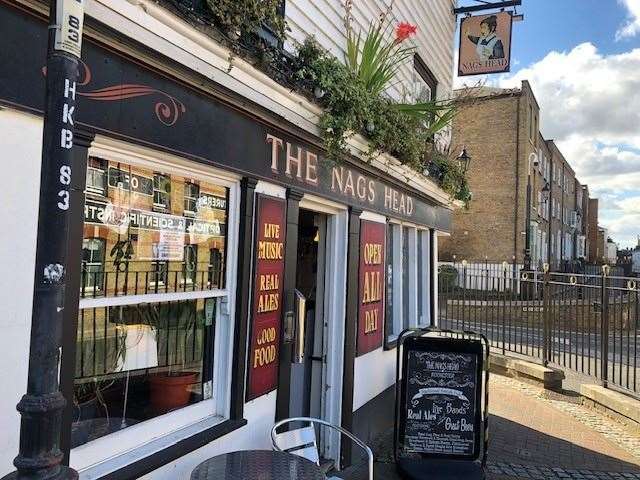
(350, 108)
(238, 17)
(350, 94)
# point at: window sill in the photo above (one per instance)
(161, 457)
(390, 342)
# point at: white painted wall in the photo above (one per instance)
(324, 19)
(20, 140)
(373, 373)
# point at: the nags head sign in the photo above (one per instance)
(485, 44)
(304, 166)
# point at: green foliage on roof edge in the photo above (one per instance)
(350, 104)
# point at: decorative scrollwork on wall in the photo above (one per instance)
(167, 110)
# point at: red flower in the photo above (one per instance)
(404, 30)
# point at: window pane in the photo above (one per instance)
(96, 176)
(422, 272)
(191, 193)
(388, 315)
(136, 362)
(92, 265)
(145, 226)
(405, 278)
(150, 233)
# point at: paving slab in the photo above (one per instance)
(536, 434)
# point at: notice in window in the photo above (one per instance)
(371, 286)
(170, 247)
(267, 296)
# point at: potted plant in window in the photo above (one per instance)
(176, 330)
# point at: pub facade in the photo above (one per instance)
(227, 273)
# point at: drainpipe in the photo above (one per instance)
(517, 202)
(41, 407)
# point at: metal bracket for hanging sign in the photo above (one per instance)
(69, 22)
(487, 6)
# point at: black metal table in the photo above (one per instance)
(257, 465)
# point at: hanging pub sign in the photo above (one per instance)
(266, 309)
(371, 288)
(485, 44)
(440, 401)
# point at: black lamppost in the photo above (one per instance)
(39, 455)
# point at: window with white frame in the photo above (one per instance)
(96, 176)
(408, 278)
(191, 195)
(559, 245)
(161, 192)
(153, 334)
(539, 209)
(92, 272)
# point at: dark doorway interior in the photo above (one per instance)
(307, 375)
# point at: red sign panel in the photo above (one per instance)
(371, 289)
(266, 310)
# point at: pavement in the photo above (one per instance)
(542, 435)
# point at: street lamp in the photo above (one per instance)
(546, 192)
(464, 160)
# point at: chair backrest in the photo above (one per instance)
(301, 442)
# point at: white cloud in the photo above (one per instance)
(590, 104)
(632, 27)
(584, 91)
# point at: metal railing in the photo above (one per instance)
(585, 323)
(150, 277)
(177, 330)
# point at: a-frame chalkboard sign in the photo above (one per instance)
(441, 423)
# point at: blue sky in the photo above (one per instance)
(563, 24)
(582, 58)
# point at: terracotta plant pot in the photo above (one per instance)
(169, 392)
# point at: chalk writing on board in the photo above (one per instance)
(440, 403)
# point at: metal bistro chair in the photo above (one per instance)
(302, 441)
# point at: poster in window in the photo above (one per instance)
(371, 286)
(266, 311)
(485, 44)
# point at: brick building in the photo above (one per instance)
(526, 198)
(594, 254)
(583, 245)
